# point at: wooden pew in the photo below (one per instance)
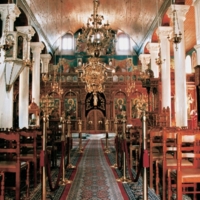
(28, 144)
(2, 181)
(186, 176)
(10, 160)
(169, 164)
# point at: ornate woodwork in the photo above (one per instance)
(115, 92)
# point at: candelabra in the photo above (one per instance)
(130, 88)
(47, 104)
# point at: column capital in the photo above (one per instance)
(145, 58)
(153, 47)
(45, 58)
(180, 9)
(37, 47)
(26, 30)
(10, 9)
(164, 31)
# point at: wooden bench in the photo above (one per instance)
(11, 163)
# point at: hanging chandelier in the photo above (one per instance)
(96, 35)
(177, 35)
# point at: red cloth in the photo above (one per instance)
(145, 159)
(42, 159)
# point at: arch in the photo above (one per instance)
(44, 50)
(154, 37)
(146, 51)
(70, 93)
(35, 38)
(95, 102)
(22, 20)
(166, 20)
(67, 42)
(123, 44)
(95, 121)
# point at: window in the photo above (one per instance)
(123, 43)
(188, 65)
(67, 42)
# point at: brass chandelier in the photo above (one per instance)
(99, 40)
(96, 35)
(94, 75)
(176, 37)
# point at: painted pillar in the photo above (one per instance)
(45, 58)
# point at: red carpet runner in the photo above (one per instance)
(94, 179)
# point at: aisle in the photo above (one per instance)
(94, 178)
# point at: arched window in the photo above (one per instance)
(188, 65)
(123, 42)
(67, 42)
(123, 46)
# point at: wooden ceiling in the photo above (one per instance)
(138, 18)
(190, 31)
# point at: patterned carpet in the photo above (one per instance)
(134, 190)
(94, 178)
(35, 193)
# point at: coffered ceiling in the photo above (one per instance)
(138, 18)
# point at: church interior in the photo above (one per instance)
(99, 99)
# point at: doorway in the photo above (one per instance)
(95, 122)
